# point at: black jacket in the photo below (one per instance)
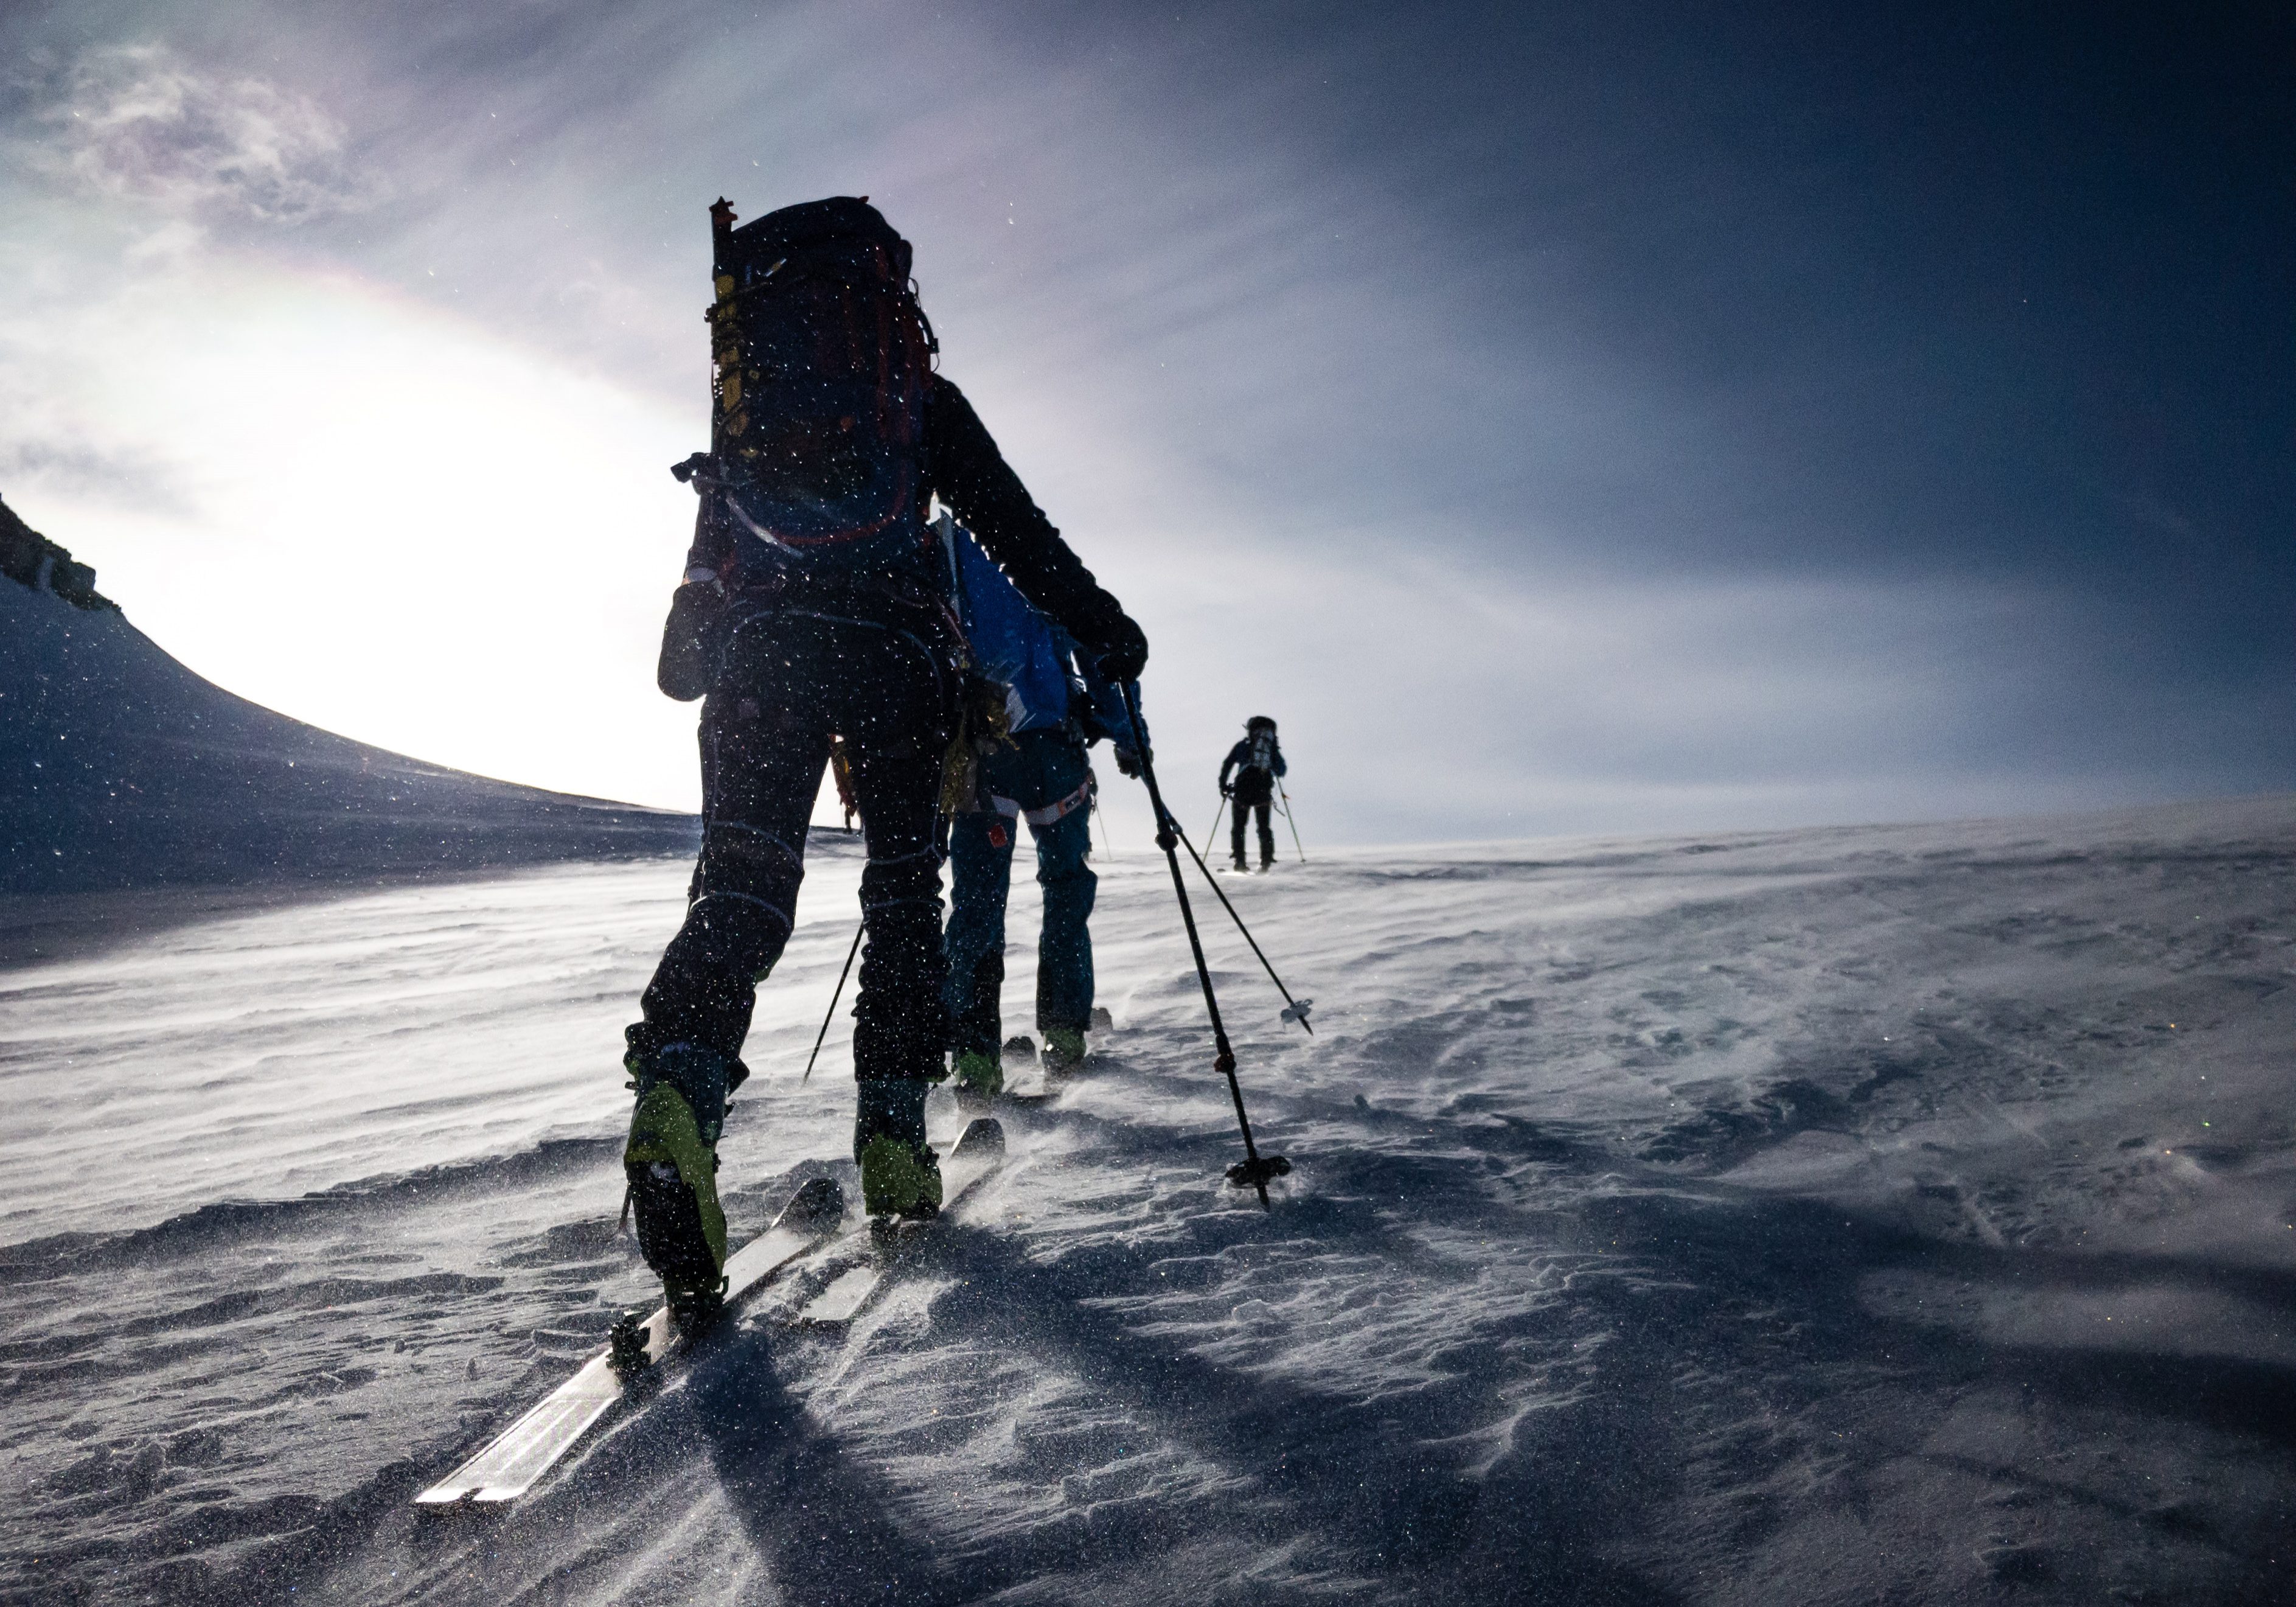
(964, 469)
(1253, 784)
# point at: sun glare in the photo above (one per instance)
(382, 521)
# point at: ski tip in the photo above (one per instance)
(983, 1135)
(819, 1199)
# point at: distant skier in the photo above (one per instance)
(1257, 761)
(1057, 705)
(812, 608)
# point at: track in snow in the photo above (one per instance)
(1826, 1215)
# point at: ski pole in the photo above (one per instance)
(1217, 815)
(1253, 1169)
(834, 997)
(1297, 1009)
(1289, 821)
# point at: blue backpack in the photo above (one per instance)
(1013, 644)
(821, 360)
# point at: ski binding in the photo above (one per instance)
(637, 1351)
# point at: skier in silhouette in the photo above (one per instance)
(1055, 706)
(813, 606)
(1256, 761)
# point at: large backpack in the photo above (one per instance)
(820, 357)
(1013, 644)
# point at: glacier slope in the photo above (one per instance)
(1889, 1213)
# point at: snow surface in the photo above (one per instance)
(1880, 1214)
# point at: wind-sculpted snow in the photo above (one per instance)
(1894, 1214)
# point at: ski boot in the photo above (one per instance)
(900, 1174)
(1238, 865)
(1063, 1051)
(671, 1163)
(980, 1079)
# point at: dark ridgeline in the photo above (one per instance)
(121, 768)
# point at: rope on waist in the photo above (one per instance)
(1051, 812)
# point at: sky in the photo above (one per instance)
(1562, 419)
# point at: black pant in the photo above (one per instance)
(1244, 805)
(880, 676)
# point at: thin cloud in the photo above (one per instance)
(74, 470)
(136, 122)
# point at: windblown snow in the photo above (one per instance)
(1898, 1214)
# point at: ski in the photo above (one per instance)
(1051, 1084)
(852, 1281)
(521, 1454)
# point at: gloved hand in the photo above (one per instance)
(693, 641)
(1124, 654)
(1127, 762)
(1226, 789)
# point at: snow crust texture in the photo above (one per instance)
(1898, 1214)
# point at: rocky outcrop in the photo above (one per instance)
(31, 560)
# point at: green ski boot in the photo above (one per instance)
(1063, 1051)
(671, 1163)
(980, 1079)
(900, 1174)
